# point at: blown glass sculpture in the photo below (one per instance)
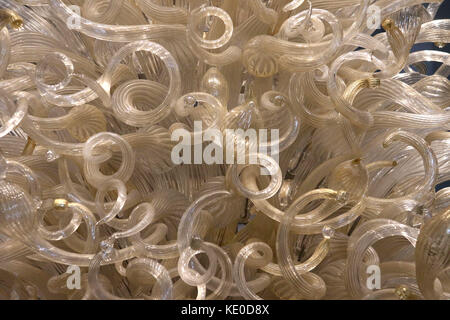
(224, 149)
